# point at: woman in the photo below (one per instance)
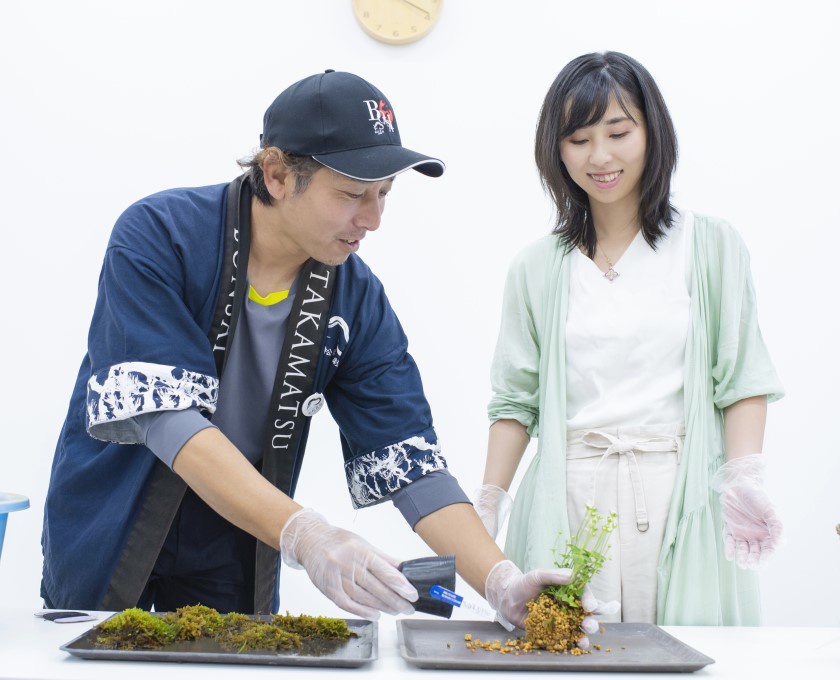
(629, 345)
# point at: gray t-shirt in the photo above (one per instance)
(242, 408)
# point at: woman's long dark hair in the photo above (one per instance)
(578, 97)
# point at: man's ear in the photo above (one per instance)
(277, 177)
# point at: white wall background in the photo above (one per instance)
(105, 102)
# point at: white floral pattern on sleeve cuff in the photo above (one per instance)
(374, 476)
(116, 394)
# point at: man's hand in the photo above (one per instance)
(508, 591)
(345, 567)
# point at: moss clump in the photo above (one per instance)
(196, 621)
(136, 629)
(139, 629)
(251, 634)
(309, 627)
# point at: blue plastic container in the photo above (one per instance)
(9, 502)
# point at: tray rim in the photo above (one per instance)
(562, 663)
(234, 658)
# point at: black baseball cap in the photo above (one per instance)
(344, 123)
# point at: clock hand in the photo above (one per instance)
(418, 7)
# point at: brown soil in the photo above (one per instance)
(551, 626)
(548, 626)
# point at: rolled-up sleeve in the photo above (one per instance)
(376, 397)
(427, 495)
(515, 369)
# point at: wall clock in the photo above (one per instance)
(397, 22)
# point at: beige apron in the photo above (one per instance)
(631, 470)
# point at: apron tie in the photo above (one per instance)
(612, 444)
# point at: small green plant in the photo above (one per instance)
(584, 555)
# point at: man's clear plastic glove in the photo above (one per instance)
(345, 567)
(508, 591)
(751, 529)
(492, 503)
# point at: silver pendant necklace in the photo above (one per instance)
(611, 274)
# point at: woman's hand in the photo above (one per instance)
(492, 503)
(751, 529)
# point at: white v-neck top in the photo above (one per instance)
(625, 339)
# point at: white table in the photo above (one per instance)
(29, 649)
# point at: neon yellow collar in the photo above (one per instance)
(268, 300)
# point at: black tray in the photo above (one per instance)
(634, 647)
(351, 653)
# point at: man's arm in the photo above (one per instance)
(457, 530)
(343, 566)
(216, 470)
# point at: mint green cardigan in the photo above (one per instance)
(725, 361)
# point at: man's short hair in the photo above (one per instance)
(302, 166)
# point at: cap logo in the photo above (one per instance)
(380, 115)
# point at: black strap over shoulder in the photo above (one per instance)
(164, 493)
(237, 235)
(164, 490)
(292, 402)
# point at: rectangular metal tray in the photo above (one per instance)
(351, 653)
(634, 647)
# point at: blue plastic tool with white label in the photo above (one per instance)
(451, 597)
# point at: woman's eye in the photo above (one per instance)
(619, 135)
(577, 142)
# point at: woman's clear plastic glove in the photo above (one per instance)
(751, 529)
(492, 503)
(508, 591)
(345, 567)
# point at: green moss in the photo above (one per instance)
(234, 621)
(138, 629)
(196, 621)
(313, 627)
(252, 635)
(135, 629)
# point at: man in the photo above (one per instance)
(225, 316)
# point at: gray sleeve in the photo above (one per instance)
(429, 493)
(165, 432)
